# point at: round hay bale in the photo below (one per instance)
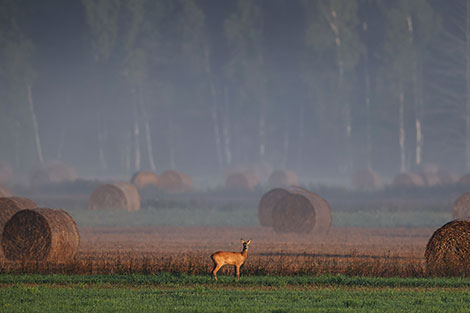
(461, 206)
(41, 235)
(174, 182)
(143, 179)
(267, 203)
(8, 207)
(430, 179)
(52, 173)
(242, 181)
(5, 192)
(301, 211)
(118, 195)
(408, 180)
(6, 173)
(465, 180)
(448, 250)
(447, 178)
(282, 178)
(366, 179)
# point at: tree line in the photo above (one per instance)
(323, 87)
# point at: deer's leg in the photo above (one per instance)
(238, 271)
(216, 269)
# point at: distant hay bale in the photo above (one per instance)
(461, 206)
(41, 235)
(447, 178)
(408, 180)
(464, 180)
(301, 211)
(52, 173)
(366, 179)
(282, 178)
(430, 179)
(244, 181)
(267, 203)
(8, 207)
(6, 173)
(5, 192)
(174, 182)
(143, 179)
(118, 195)
(448, 250)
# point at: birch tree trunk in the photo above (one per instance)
(148, 133)
(301, 137)
(37, 138)
(137, 157)
(467, 91)
(401, 122)
(226, 130)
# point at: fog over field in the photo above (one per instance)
(323, 88)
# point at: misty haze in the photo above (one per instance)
(333, 136)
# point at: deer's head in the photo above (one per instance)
(245, 244)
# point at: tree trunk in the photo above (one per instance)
(137, 165)
(148, 134)
(401, 122)
(262, 131)
(301, 137)
(467, 91)
(226, 130)
(285, 145)
(171, 148)
(101, 141)
(214, 110)
(37, 139)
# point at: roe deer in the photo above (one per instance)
(220, 258)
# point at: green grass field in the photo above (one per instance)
(183, 293)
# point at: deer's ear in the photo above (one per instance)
(248, 242)
(242, 241)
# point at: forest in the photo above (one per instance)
(322, 87)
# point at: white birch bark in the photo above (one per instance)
(401, 122)
(37, 138)
(148, 133)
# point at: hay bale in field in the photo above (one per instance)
(267, 203)
(282, 178)
(8, 207)
(41, 235)
(174, 182)
(448, 250)
(143, 179)
(447, 177)
(52, 173)
(366, 179)
(118, 195)
(430, 179)
(5, 192)
(6, 173)
(244, 181)
(408, 180)
(461, 206)
(301, 211)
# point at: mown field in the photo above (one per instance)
(183, 293)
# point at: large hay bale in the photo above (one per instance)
(8, 207)
(41, 235)
(461, 206)
(448, 250)
(267, 203)
(118, 195)
(5, 192)
(6, 173)
(447, 177)
(244, 181)
(301, 211)
(282, 178)
(408, 180)
(366, 179)
(52, 173)
(143, 179)
(174, 182)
